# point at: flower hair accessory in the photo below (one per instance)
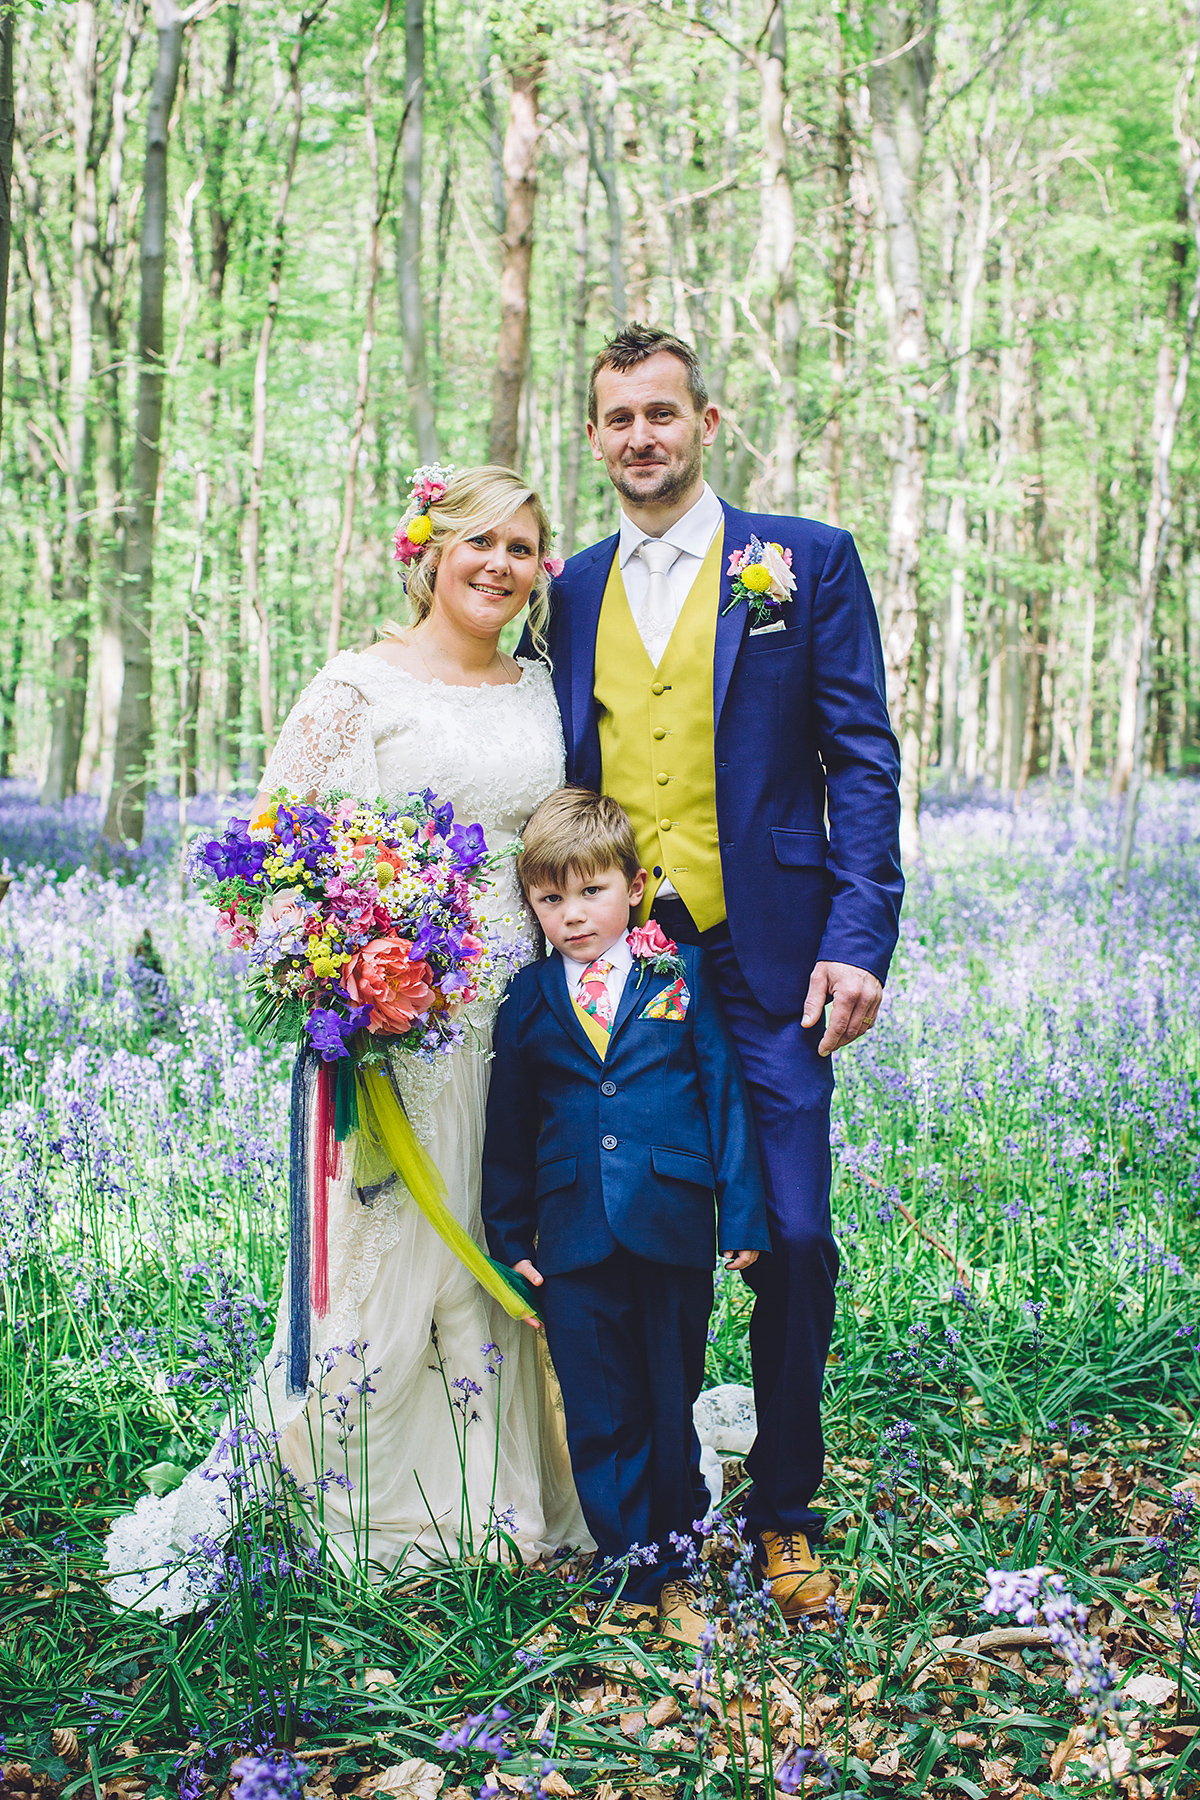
(652, 949)
(762, 577)
(414, 530)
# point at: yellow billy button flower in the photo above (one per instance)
(757, 578)
(418, 530)
(384, 873)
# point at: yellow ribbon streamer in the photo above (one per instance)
(385, 1130)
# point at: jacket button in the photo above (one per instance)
(657, 874)
(658, 688)
(608, 1142)
(662, 780)
(608, 1087)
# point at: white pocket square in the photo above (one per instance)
(762, 630)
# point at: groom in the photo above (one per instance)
(732, 740)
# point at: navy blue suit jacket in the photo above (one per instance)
(801, 725)
(591, 1155)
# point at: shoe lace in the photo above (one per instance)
(793, 1545)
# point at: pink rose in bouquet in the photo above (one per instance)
(396, 990)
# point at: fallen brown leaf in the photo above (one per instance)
(663, 1712)
(411, 1780)
(554, 1783)
(1062, 1753)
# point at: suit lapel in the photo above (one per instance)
(587, 594)
(633, 996)
(554, 986)
(731, 625)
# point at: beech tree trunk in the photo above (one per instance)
(256, 599)
(605, 170)
(380, 199)
(579, 367)
(899, 79)
(69, 656)
(779, 231)
(412, 312)
(839, 257)
(520, 193)
(125, 817)
(8, 125)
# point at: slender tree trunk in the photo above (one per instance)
(779, 231)
(8, 125)
(899, 81)
(125, 816)
(412, 312)
(495, 146)
(604, 167)
(520, 190)
(256, 599)
(958, 523)
(842, 321)
(69, 656)
(380, 200)
(579, 366)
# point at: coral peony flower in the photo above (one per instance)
(396, 990)
(650, 940)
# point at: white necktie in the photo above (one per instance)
(658, 613)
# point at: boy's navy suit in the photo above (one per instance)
(602, 1171)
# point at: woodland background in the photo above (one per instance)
(940, 260)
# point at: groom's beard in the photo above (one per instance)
(674, 481)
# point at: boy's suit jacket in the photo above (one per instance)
(801, 730)
(590, 1155)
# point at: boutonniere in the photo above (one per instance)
(762, 577)
(652, 949)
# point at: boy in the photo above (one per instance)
(616, 1109)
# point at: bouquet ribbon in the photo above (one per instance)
(331, 1102)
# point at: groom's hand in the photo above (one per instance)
(526, 1268)
(855, 994)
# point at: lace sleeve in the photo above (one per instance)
(326, 744)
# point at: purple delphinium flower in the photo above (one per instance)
(328, 1033)
(234, 854)
(468, 846)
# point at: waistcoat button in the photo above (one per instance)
(608, 1143)
(658, 688)
(664, 824)
(662, 780)
(660, 732)
(608, 1087)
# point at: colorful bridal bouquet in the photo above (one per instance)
(366, 936)
(358, 919)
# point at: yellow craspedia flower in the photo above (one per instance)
(384, 873)
(418, 530)
(757, 578)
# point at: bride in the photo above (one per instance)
(436, 706)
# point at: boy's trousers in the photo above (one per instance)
(628, 1338)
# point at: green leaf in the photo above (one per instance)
(163, 1477)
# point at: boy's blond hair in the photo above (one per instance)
(576, 831)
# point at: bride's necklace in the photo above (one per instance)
(507, 682)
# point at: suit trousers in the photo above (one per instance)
(628, 1338)
(792, 1320)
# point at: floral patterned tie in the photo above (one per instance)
(593, 993)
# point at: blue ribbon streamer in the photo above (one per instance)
(299, 1352)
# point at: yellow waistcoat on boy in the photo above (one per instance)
(656, 739)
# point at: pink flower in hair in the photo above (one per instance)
(554, 566)
(406, 550)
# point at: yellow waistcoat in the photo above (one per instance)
(656, 739)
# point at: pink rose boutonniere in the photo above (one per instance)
(652, 949)
(762, 577)
(554, 566)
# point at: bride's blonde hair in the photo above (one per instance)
(476, 500)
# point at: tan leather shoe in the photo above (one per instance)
(799, 1585)
(679, 1616)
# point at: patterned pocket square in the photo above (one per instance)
(671, 1004)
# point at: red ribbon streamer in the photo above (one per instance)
(327, 1157)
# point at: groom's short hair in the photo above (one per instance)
(636, 344)
(576, 830)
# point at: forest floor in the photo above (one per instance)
(1013, 1386)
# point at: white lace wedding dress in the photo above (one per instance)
(369, 728)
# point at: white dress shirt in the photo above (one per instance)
(692, 536)
(621, 958)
